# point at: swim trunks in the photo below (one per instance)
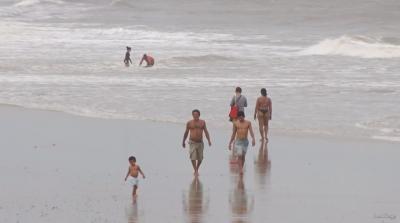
(132, 181)
(241, 146)
(196, 150)
(263, 115)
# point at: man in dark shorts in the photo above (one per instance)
(196, 127)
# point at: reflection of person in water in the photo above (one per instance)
(241, 203)
(263, 165)
(149, 60)
(194, 205)
(132, 213)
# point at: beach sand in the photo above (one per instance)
(57, 167)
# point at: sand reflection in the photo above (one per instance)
(262, 166)
(194, 204)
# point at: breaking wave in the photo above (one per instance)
(26, 3)
(357, 46)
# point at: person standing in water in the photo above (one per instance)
(149, 60)
(196, 127)
(127, 59)
(263, 112)
(241, 128)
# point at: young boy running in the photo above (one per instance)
(132, 175)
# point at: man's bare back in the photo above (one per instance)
(263, 102)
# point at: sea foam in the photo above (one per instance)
(25, 3)
(356, 46)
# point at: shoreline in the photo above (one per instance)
(328, 137)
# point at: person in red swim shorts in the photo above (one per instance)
(149, 60)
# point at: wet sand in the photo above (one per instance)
(59, 168)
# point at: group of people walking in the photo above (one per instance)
(239, 142)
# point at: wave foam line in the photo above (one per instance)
(357, 46)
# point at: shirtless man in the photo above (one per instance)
(263, 111)
(149, 60)
(196, 127)
(240, 129)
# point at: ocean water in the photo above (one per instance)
(331, 68)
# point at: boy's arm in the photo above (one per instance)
(253, 142)
(233, 136)
(141, 172)
(207, 134)
(129, 171)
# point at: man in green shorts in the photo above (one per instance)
(196, 127)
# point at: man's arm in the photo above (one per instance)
(129, 170)
(253, 141)
(207, 134)
(141, 61)
(245, 102)
(185, 135)
(233, 136)
(270, 109)
(141, 172)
